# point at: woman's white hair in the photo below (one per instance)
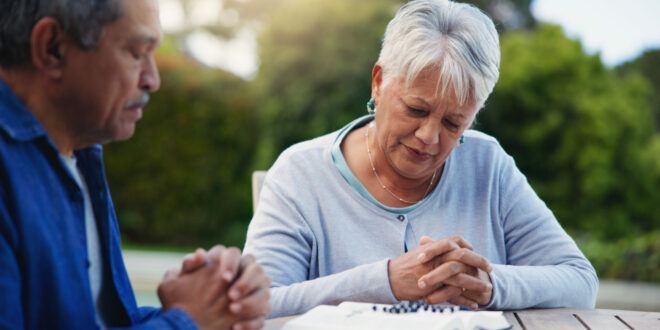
(456, 39)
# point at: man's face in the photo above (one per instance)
(105, 89)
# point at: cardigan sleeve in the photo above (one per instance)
(544, 267)
(284, 244)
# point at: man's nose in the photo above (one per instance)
(150, 79)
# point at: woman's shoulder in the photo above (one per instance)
(480, 137)
(317, 149)
(302, 166)
(305, 156)
(309, 148)
(480, 148)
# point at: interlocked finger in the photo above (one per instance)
(249, 325)
(252, 306)
(441, 273)
(464, 301)
(469, 283)
(194, 261)
(443, 294)
(229, 260)
(467, 257)
(432, 250)
(252, 278)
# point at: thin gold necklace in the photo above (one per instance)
(373, 168)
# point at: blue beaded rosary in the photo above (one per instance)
(416, 306)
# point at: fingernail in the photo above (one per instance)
(238, 327)
(234, 294)
(235, 308)
(227, 276)
(421, 284)
(421, 257)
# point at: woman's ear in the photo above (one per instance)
(47, 47)
(376, 81)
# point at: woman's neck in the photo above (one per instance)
(383, 183)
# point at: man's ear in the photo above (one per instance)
(48, 47)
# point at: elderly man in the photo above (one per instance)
(75, 74)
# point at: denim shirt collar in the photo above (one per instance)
(15, 119)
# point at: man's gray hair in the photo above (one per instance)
(82, 20)
(456, 39)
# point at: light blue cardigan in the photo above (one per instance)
(321, 242)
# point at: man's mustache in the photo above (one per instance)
(139, 103)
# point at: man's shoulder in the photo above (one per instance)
(16, 121)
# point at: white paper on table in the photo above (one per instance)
(354, 315)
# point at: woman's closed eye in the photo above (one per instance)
(417, 112)
(451, 125)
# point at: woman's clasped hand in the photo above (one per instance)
(444, 270)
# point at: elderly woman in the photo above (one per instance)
(407, 203)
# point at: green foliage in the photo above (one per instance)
(629, 258)
(648, 66)
(184, 177)
(315, 74)
(580, 134)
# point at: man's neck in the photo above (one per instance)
(24, 82)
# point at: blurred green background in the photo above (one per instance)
(586, 136)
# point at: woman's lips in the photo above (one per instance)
(418, 154)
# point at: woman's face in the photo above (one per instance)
(416, 128)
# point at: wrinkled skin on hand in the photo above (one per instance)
(444, 270)
(235, 290)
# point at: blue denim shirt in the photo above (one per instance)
(44, 281)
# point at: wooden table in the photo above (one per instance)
(560, 318)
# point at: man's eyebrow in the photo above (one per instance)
(145, 39)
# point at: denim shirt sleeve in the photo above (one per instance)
(11, 310)
(152, 318)
(11, 313)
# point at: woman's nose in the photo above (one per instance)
(428, 132)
